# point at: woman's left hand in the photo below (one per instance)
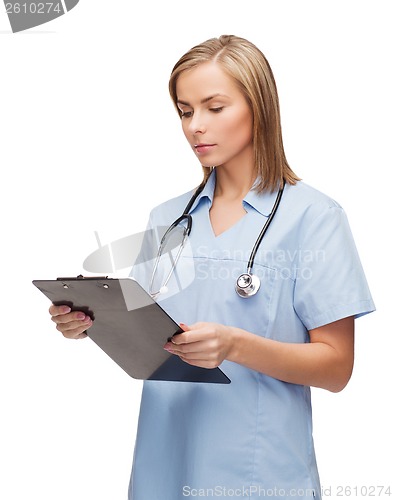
(202, 344)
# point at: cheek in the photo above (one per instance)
(240, 129)
(247, 123)
(186, 131)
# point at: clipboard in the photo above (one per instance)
(129, 326)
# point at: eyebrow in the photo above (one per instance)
(203, 101)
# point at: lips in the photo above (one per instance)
(203, 148)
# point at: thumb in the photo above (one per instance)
(184, 327)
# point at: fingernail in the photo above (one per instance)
(81, 316)
(87, 319)
(168, 349)
(65, 309)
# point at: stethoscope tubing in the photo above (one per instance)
(243, 291)
(264, 229)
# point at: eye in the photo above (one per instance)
(185, 114)
(217, 110)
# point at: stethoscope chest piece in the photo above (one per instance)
(247, 285)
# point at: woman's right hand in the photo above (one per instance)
(71, 324)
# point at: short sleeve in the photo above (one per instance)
(330, 283)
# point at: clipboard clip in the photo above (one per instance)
(84, 278)
(80, 277)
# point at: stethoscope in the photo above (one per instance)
(247, 284)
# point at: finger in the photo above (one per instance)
(81, 336)
(73, 325)
(73, 316)
(202, 329)
(194, 347)
(197, 356)
(185, 328)
(74, 333)
(190, 336)
(58, 310)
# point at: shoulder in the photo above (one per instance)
(306, 203)
(304, 208)
(307, 198)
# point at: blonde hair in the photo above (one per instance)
(246, 64)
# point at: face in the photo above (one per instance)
(216, 118)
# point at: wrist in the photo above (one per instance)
(236, 339)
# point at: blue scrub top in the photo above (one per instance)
(253, 437)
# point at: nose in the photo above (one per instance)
(197, 124)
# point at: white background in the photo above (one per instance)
(89, 141)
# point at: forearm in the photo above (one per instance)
(314, 364)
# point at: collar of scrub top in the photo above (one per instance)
(262, 203)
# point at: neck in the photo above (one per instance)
(233, 183)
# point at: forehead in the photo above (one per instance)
(204, 80)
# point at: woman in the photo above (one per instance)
(253, 437)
